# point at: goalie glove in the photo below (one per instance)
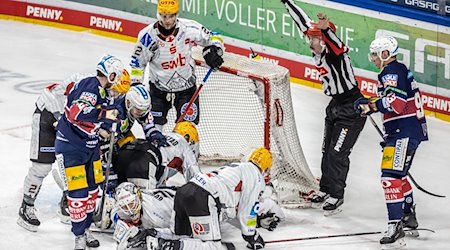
(268, 221)
(213, 56)
(139, 239)
(123, 232)
(254, 241)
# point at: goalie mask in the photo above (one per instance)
(167, 13)
(111, 67)
(128, 200)
(189, 131)
(138, 101)
(262, 158)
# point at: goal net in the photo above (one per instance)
(245, 105)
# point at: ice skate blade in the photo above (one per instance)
(412, 233)
(64, 219)
(317, 205)
(26, 225)
(400, 243)
(328, 213)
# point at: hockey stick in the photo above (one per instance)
(57, 179)
(407, 231)
(195, 95)
(409, 174)
(99, 214)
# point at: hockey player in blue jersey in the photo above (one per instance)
(405, 127)
(87, 109)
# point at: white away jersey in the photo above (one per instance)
(52, 98)
(238, 188)
(157, 207)
(170, 58)
(178, 155)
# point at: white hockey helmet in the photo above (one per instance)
(111, 67)
(138, 101)
(387, 43)
(128, 200)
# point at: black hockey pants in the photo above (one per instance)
(342, 128)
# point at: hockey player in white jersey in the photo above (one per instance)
(49, 108)
(232, 190)
(181, 152)
(166, 46)
(138, 214)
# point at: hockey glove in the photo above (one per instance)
(213, 56)
(268, 221)
(139, 240)
(155, 137)
(365, 106)
(254, 241)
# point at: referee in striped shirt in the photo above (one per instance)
(342, 124)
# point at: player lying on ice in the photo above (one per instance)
(198, 208)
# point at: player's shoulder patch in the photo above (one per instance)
(146, 39)
(390, 80)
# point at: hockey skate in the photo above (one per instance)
(63, 211)
(80, 242)
(394, 237)
(27, 218)
(91, 241)
(318, 199)
(332, 206)
(409, 222)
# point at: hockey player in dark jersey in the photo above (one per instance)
(405, 128)
(342, 124)
(49, 108)
(88, 107)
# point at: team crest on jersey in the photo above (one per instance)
(89, 97)
(191, 114)
(390, 80)
(200, 229)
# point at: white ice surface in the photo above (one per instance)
(36, 53)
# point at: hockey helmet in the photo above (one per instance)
(138, 101)
(387, 43)
(111, 67)
(188, 130)
(262, 158)
(168, 7)
(128, 200)
(123, 85)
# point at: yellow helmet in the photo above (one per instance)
(262, 158)
(123, 85)
(168, 7)
(188, 131)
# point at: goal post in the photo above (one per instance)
(247, 104)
